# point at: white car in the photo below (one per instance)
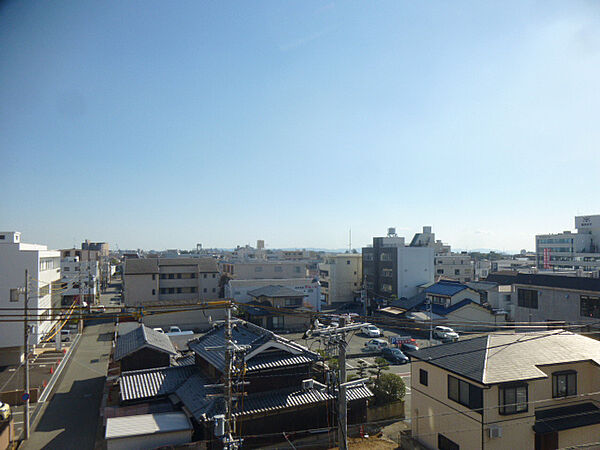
(376, 344)
(371, 331)
(445, 333)
(4, 411)
(159, 330)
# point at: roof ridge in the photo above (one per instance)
(485, 357)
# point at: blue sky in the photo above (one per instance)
(159, 124)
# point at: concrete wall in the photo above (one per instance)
(150, 441)
(344, 277)
(187, 320)
(415, 267)
(263, 270)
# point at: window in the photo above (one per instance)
(589, 306)
(277, 322)
(297, 269)
(153, 276)
(153, 291)
(214, 275)
(204, 275)
(14, 295)
(564, 384)
(256, 269)
(171, 276)
(2, 237)
(179, 276)
(171, 290)
(348, 262)
(192, 275)
(44, 290)
(456, 271)
(527, 298)
(440, 271)
(513, 398)
(179, 290)
(193, 290)
(163, 291)
(446, 444)
(205, 290)
(163, 276)
(423, 377)
(278, 268)
(465, 393)
(214, 290)
(66, 269)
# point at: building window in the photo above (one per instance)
(278, 268)
(179, 290)
(192, 275)
(513, 398)
(193, 290)
(348, 262)
(153, 291)
(14, 295)
(66, 269)
(423, 377)
(446, 444)
(214, 290)
(564, 384)
(163, 291)
(163, 276)
(527, 298)
(204, 275)
(214, 275)
(440, 271)
(171, 276)
(171, 290)
(205, 290)
(153, 276)
(179, 276)
(465, 393)
(258, 269)
(277, 322)
(297, 269)
(456, 271)
(589, 306)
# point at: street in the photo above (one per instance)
(70, 418)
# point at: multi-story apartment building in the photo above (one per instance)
(459, 267)
(148, 280)
(340, 277)
(567, 250)
(79, 278)
(542, 298)
(256, 270)
(44, 274)
(536, 390)
(392, 268)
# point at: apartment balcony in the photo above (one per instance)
(175, 283)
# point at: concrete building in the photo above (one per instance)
(567, 250)
(79, 278)
(283, 309)
(257, 270)
(93, 251)
(391, 268)
(44, 274)
(341, 277)
(458, 266)
(543, 298)
(150, 280)
(310, 287)
(507, 391)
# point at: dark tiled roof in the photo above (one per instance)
(466, 358)
(276, 291)
(204, 264)
(143, 384)
(142, 337)
(253, 336)
(448, 288)
(409, 303)
(566, 417)
(555, 281)
(194, 395)
(442, 311)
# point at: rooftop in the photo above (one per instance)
(275, 291)
(143, 424)
(142, 337)
(555, 281)
(447, 288)
(504, 357)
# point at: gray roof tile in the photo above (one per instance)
(276, 291)
(142, 337)
(142, 384)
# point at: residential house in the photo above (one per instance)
(258, 270)
(143, 348)
(537, 390)
(238, 289)
(279, 308)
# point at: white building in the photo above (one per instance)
(44, 273)
(458, 266)
(76, 273)
(340, 277)
(567, 250)
(392, 268)
(238, 289)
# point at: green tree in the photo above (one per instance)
(388, 388)
(362, 368)
(381, 364)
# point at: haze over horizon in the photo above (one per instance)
(156, 125)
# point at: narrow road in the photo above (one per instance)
(69, 420)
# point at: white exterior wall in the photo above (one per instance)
(238, 289)
(449, 265)
(73, 270)
(268, 270)
(15, 258)
(150, 441)
(415, 267)
(344, 277)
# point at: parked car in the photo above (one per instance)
(159, 330)
(376, 344)
(65, 335)
(445, 333)
(394, 355)
(409, 347)
(4, 411)
(371, 331)
(174, 329)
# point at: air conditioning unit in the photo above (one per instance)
(495, 432)
(308, 384)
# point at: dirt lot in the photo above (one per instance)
(372, 443)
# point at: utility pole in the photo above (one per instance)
(26, 351)
(80, 322)
(228, 368)
(430, 322)
(363, 295)
(342, 401)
